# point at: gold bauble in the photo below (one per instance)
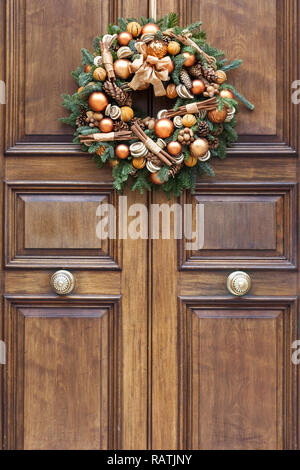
(198, 87)
(199, 148)
(171, 91)
(157, 49)
(156, 179)
(121, 68)
(174, 148)
(226, 94)
(127, 113)
(190, 59)
(122, 151)
(99, 74)
(173, 48)
(150, 28)
(80, 89)
(134, 28)
(139, 163)
(222, 77)
(189, 120)
(217, 116)
(124, 38)
(164, 128)
(87, 68)
(98, 101)
(106, 125)
(191, 161)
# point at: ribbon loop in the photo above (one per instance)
(149, 70)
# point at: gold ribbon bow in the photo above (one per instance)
(149, 69)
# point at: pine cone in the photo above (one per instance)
(120, 126)
(174, 170)
(138, 121)
(154, 159)
(213, 144)
(209, 73)
(203, 129)
(198, 70)
(81, 120)
(116, 93)
(186, 79)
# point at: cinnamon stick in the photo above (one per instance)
(187, 41)
(207, 105)
(106, 137)
(108, 61)
(152, 146)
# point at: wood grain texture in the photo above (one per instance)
(241, 30)
(2, 169)
(251, 406)
(87, 282)
(55, 224)
(59, 353)
(134, 291)
(38, 67)
(164, 341)
(249, 224)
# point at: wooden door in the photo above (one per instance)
(154, 353)
(76, 369)
(231, 383)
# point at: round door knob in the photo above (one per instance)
(62, 282)
(239, 283)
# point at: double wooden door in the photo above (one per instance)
(150, 351)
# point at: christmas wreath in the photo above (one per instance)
(171, 149)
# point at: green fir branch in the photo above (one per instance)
(87, 57)
(233, 65)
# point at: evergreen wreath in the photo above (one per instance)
(171, 150)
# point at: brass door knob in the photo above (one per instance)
(239, 283)
(62, 282)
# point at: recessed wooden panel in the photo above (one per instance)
(258, 33)
(44, 40)
(61, 221)
(237, 379)
(55, 225)
(249, 225)
(61, 382)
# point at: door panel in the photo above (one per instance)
(237, 382)
(231, 382)
(73, 363)
(245, 224)
(150, 351)
(51, 224)
(259, 33)
(64, 366)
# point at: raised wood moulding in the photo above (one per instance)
(216, 338)
(61, 353)
(37, 235)
(245, 226)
